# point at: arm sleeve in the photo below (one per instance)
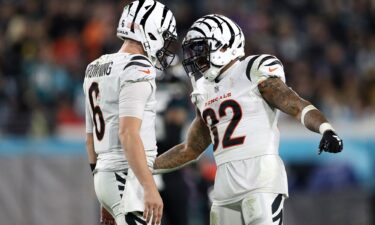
(89, 123)
(133, 98)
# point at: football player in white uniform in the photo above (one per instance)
(121, 106)
(237, 103)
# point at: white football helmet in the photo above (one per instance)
(152, 24)
(211, 43)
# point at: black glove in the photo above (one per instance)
(92, 167)
(330, 142)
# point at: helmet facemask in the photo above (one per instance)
(161, 49)
(166, 54)
(197, 55)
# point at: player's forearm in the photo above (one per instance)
(314, 119)
(280, 96)
(135, 155)
(198, 139)
(175, 158)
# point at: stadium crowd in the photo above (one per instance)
(327, 47)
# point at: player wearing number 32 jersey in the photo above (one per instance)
(238, 102)
(120, 114)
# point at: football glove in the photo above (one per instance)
(92, 167)
(330, 142)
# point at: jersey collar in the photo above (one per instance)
(225, 74)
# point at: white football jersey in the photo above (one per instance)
(104, 79)
(243, 126)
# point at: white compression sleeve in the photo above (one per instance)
(133, 98)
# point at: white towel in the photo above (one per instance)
(133, 197)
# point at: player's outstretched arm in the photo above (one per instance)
(198, 139)
(280, 96)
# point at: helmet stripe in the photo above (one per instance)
(147, 14)
(170, 22)
(232, 34)
(165, 10)
(216, 20)
(207, 24)
(167, 17)
(199, 30)
(239, 29)
(141, 2)
(130, 7)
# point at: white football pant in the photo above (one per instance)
(109, 188)
(255, 209)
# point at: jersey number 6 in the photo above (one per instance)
(228, 140)
(97, 112)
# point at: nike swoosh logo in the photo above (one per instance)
(148, 71)
(272, 69)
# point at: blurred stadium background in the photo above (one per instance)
(328, 50)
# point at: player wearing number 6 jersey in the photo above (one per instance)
(120, 114)
(238, 103)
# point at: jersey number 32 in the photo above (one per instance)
(228, 140)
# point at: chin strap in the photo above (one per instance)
(194, 93)
(193, 81)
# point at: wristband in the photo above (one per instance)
(305, 111)
(324, 127)
(92, 166)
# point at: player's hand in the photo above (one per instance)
(153, 206)
(106, 218)
(330, 142)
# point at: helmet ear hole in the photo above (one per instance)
(152, 37)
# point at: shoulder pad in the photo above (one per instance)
(138, 60)
(139, 68)
(260, 67)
